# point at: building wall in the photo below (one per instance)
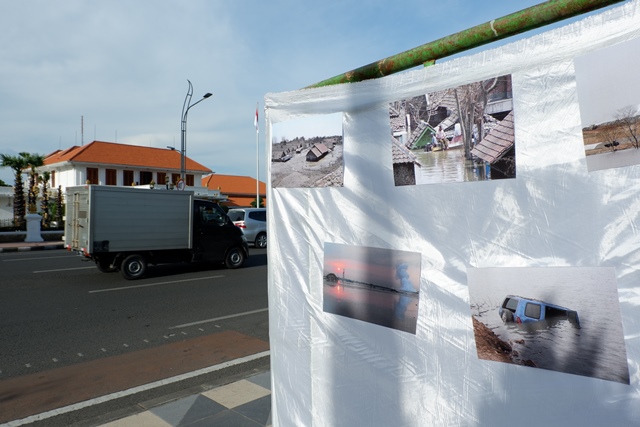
(67, 176)
(6, 203)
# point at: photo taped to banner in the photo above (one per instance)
(460, 134)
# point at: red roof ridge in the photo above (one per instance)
(114, 153)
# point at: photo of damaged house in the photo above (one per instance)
(459, 134)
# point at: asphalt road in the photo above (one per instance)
(59, 311)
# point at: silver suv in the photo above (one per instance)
(253, 222)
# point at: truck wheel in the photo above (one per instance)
(133, 267)
(235, 258)
(105, 266)
(261, 240)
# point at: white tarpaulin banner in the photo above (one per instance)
(459, 245)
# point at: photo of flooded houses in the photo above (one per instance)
(455, 135)
(609, 99)
(563, 319)
(375, 285)
(307, 153)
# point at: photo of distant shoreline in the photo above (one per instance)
(375, 285)
(609, 99)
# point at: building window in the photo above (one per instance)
(127, 177)
(111, 177)
(175, 177)
(146, 177)
(189, 180)
(161, 178)
(92, 176)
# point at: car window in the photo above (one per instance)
(236, 215)
(511, 304)
(258, 215)
(532, 310)
(211, 215)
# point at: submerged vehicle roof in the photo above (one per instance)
(539, 301)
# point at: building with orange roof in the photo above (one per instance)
(239, 190)
(109, 163)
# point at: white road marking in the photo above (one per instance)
(134, 390)
(126, 345)
(104, 350)
(28, 365)
(246, 313)
(124, 288)
(80, 354)
(62, 269)
(55, 360)
(29, 259)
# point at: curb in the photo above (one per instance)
(33, 248)
(122, 404)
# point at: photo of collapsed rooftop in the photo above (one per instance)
(455, 135)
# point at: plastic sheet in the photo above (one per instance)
(559, 231)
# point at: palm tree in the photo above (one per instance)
(17, 163)
(33, 161)
(59, 207)
(44, 204)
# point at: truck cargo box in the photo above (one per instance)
(103, 218)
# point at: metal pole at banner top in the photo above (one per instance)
(519, 22)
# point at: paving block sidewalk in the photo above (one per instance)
(244, 403)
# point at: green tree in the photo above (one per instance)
(253, 203)
(59, 206)
(17, 164)
(32, 161)
(4, 184)
(44, 204)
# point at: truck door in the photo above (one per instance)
(213, 232)
(77, 234)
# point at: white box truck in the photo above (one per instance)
(128, 228)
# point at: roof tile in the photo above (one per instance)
(111, 153)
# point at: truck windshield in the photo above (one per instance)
(209, 214)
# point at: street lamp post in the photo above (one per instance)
(183, 131)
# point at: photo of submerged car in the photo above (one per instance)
(526, 310)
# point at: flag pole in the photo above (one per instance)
(257, 160)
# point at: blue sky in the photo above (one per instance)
(123, 65)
